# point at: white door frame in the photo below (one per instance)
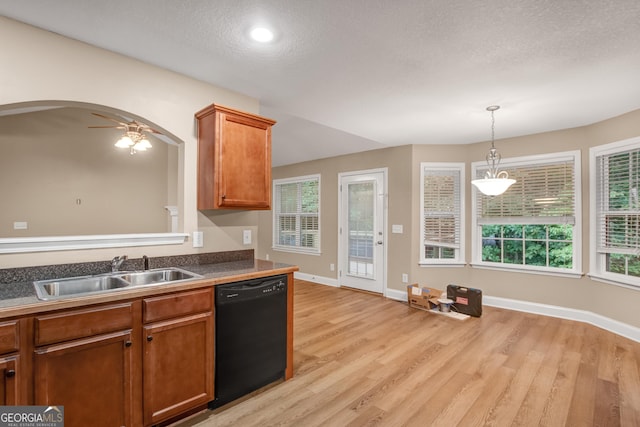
(341, 249)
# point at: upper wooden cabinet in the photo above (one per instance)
(234, 159)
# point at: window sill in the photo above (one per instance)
(296, 251)
(612, 281)
(442, 264)
(571, 274)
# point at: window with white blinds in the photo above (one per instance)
(616, 220)
(535, 224)
(442, 213)
(296, 214)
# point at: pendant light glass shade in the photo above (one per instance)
(495, 182)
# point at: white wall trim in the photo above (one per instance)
(65, 243)
(316, 279)
(396, 295)
(606, 323)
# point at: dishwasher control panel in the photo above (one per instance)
(250, 289)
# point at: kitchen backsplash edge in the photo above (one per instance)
(43, 272)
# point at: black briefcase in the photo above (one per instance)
(465, 300)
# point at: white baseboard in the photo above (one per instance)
(316, 279)
(606, 323)
(396, 295)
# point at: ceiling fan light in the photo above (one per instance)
(142, 145)
(124, 142)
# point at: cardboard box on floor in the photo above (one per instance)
(423, 297)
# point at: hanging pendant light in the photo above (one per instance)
(494, 182)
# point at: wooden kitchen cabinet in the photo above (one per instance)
(86, 361)
(10, 375)
(178, 354)
(234, 159)
(9, 391)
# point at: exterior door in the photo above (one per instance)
(362, 230)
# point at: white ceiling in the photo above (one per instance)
(344, 76)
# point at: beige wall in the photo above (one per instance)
(51, 158)
(403, 249)
(38, 65)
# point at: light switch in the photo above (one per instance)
(397, 228)
(198, 239)
(246, 237)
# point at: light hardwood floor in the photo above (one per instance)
(362, 360)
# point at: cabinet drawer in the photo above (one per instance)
(176, 305)
(8, 337)
(82, 323)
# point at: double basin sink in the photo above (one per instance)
(103, 283)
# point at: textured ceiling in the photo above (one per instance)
(349, 75)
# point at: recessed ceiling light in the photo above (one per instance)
(262, 35)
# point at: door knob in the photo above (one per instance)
(379, 242)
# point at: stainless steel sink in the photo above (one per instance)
(87, 285)
(58, 288)
(154, 277)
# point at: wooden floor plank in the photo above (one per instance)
(362, 360)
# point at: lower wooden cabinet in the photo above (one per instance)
(135, 363)
(9, 383)
(91, 377)
(177, 366)
(178, 353)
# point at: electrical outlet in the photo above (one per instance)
(246, 237)
(332, 267)
(405, 278)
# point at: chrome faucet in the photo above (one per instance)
(116, 263)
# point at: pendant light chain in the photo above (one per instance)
(495, 182)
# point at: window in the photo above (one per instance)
(296, 214)
(615, 212)
(442, 218)
(534, 226)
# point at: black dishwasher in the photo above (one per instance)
(251, 336)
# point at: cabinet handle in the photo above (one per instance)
(10, 373)
(149, 338)
(128, 343)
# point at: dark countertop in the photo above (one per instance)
(19, 298)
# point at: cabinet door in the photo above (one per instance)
(91, 378)
(8, 380)
(244, 163)
(178, 366)
(234, 159)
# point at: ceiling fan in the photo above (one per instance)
(134, 137)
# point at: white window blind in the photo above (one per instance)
(296, 216)
(543, 193)
(442, 212)
(618, 210)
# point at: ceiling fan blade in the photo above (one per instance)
(106, 127)
(110, 119)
